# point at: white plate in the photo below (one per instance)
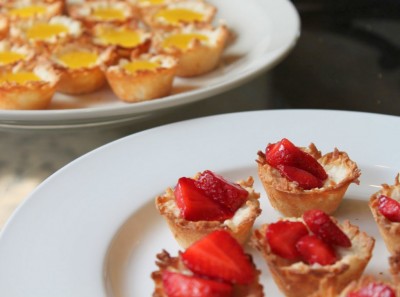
(92, 228)
(266, 31)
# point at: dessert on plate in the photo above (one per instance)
(180, 13)
(385, 208)
(143, 78)
(27, 86)
(12, 53)
(297, 179)
(80, 66)
(214, 266)
(369, 286)
(31, 9)
(198, 50)
(303, 254)
(208, 202)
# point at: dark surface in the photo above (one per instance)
(347, 58)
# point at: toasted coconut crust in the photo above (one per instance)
(4, 26)
(82, 80)
(200, 57)
(390, 231)
(166, 262)
(186, 232)
(297, 279)
(82, 11)
(30, 95)
(149, 16)
(119, 50)
(291, 200)
(142, 85)
(53, 8)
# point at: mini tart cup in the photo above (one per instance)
(30, 95)
(150, 16)
(390, 231)
(291, 200)
(364, 281)
(119, 50)
(186, 232)
(20, 48)
(53, 8)
(81, 80)
(174, 264)
(142, 85)
(81, 10)
(200, 57)
(18, 32)
(297, 279)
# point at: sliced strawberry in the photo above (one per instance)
(179, 285)
(389, 208)
(304, 179)
(281, 153)
(230, 195)
(285, 152)
(219, 256)
(373, 290)
(322, 226)
(195, 205)
(314, 250)
(282, 237)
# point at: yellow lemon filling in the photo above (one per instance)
(183, 40)
(75, 60)
(44, 31)
(124, 37)
(108, 14)
(177, 15)
(19, 77)
(140, 65)
(8, 57)
(28, 11)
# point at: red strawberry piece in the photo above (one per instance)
(282, 237)
(195, 205)
(304, 179)
(373, 290)
(230, 195)
(180, 285)
(314, 250)
(285, 152)
(389, 208)
(219, 256)
(325, 228)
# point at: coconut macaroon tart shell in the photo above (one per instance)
(188, 231)
(299, 279)
(80, 65)
(21, 10)
(291, 200)
(390, 231)
(141, 84)
(198, 50)
(27, 87)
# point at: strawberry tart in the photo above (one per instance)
(303, 254)
(214, 266)
(368, 286)
(208, 202)
(298, 179)
(385, 208)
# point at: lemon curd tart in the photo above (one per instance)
(12, 53)
(127, 40)
(27, 86)
(198, 50)
(144, 78)
(177, 14)
(31, 9)
(93, 12)
(58, 29)
(80, 65)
